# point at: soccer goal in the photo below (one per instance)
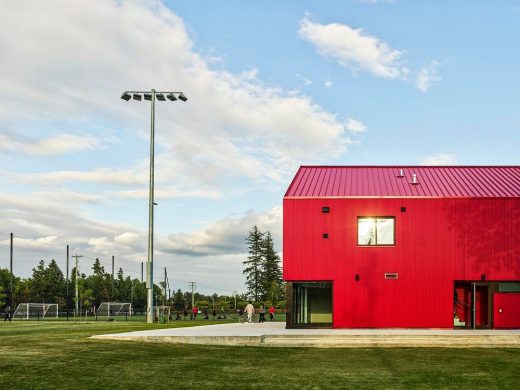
(114, 309)
(162, 314)
(26, 311)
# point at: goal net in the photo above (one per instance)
(114, 309)
(162, 314)
(36, 310)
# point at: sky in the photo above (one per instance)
(271, 85)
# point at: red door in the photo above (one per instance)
(481, 306)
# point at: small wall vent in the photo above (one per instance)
(391, 275)
(325, 235)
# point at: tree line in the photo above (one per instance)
(48, 284)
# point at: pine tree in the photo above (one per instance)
(3, 297)
(253, 264)
(271, 274)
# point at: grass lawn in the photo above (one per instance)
(37, 355)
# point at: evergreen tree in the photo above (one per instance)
(271, 274)
(3, 297)
(54, 283)
(37, 284)
(100, 283)
(178, 300)
(253, 264)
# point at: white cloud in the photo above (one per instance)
(225, 236)
(354, 49)
(67, 67)
(355, 126)
(53, 145)
(427, 76)
(373, 2)
(327, 84)
(440, 159)
(212, 256)
(306, 82)
(125, 177)
(236, 123)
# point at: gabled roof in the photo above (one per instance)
(384, 181)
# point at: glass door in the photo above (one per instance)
(312, 304)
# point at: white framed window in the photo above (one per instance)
(376, 231)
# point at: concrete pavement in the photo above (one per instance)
(274, 334)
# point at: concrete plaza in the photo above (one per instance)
(274, 334)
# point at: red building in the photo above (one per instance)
(403, 247)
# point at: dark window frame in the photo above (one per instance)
(376, 218)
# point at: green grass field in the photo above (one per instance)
(46, 355)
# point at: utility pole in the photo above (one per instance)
(192, 285)
(165, 279)
(11, 273)
(112, 294)
(67, 282)
(76, 256)
(235, 295)
(142, 264)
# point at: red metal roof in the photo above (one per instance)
(384, 181)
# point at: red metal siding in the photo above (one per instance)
(506, 310)
(438, 241)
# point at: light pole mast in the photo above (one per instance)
(149, 264)
(151, 96)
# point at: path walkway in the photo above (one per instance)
(274, 334)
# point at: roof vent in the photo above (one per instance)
(414, 179)
(401, 173)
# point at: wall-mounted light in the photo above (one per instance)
(356, 278)
(325, 209)
(325, 235)
(403, 209)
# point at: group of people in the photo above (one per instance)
(221, 315)
(250, 310)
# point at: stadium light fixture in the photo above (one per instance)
(151, 96)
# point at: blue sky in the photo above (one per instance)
(271, 85)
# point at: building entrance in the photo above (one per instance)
(311, 304)
(471, 305)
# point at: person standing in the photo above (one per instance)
(250, 310)
(271, 313)
(262, 313)
(7, 314)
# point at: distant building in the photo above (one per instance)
(403, 247)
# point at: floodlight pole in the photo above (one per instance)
(162, 96)
(11, 303)
(149, 268)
